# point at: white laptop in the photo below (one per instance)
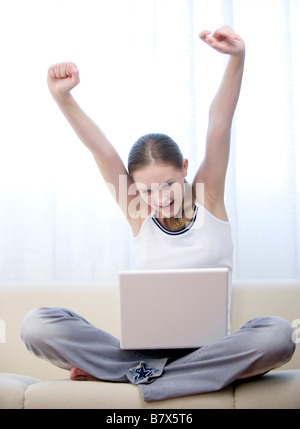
(165, 309)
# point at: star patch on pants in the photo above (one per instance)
(142, 373)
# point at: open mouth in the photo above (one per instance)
(168, 206)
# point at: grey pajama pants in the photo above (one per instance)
(66, 339)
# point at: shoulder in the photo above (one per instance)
(212, 202)
(137, 217)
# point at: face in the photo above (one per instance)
(162, 187)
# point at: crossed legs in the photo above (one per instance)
(67, 340)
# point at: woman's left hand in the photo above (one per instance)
(224, 40)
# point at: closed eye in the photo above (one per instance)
(168, 185)
(146, 191)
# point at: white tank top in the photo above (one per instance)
(204, 243)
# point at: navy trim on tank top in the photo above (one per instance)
(180, 231)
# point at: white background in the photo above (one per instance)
(142, 69)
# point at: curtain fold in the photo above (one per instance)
(142, 69)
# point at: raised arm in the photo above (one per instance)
(61, 79)
(212, 171)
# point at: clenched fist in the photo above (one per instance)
(62, 78)
(224, 40)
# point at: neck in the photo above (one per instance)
(180, 221)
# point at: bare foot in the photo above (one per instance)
(80, 375)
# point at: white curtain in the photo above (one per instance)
(142, 69)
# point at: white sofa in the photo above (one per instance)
(31, 383)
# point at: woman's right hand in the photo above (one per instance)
(62, 78)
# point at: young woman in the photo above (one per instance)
(174, 225)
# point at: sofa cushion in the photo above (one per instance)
(277, 390)
(12, 390)
(67, 394)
